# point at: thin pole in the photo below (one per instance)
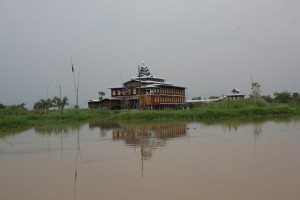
(139, 69)
(46, 106)
(75, 87)
(77, 90)
(252, 89)
(60, 106)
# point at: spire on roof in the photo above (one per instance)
(144, 71)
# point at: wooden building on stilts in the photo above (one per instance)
(146, 91)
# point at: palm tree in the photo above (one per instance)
(44, 104)
(61, 103)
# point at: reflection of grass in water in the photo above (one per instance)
(230, 123)
(57, 128)
(236, 123)
(9, 132)
(65, 127)
(247, 120)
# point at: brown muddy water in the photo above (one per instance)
(214, 160)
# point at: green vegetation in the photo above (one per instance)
(56, 102)
(223, 109)
(17, 116)
(101, 95)
(196, 98)
(255, 90)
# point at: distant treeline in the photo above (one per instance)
(283, 97)
(278, 97)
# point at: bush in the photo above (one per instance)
(2, 106)
(13, 110)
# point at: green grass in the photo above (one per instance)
(223, 109)
(248, 108)
(16, 119)
(14, 122)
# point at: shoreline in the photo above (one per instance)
(27, 119)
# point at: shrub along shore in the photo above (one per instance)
(248, 108)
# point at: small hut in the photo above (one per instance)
(235, 95)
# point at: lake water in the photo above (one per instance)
(225, 160)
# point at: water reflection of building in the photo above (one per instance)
(149, 138)
(104, 125)
(146, 138)
(160, 131)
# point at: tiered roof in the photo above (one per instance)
(147, 79)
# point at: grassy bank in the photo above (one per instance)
(208, 113)
(225, 109)
(35, 118)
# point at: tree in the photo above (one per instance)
(22, 105)
(2, 106)
(126, 104)
(296, 97)
(17, 108)
(255, 90)
(213, 97)
(43, 104)
(101, 95)
(65, 102)
(267, 98)
(14, 109)
(60, 103)
(283, 97)
(196, 98)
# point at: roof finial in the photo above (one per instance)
(144, 71)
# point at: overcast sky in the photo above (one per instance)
(208, 46)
